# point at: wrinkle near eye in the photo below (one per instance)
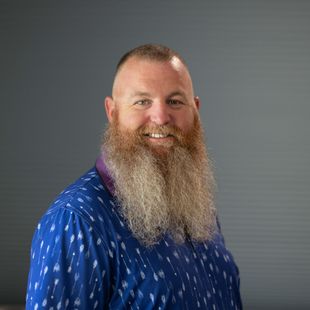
(142, 102)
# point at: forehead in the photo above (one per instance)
(136, 63)
(137, 72)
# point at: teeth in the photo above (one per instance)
(157, 135)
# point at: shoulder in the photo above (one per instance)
(87, 198)
(70, 246)
(84, 191)
(84, 206)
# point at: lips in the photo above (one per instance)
(162, 134)
(157, 135)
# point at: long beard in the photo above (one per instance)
(168, 188)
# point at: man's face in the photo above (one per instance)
(154, 150)
(149, 96)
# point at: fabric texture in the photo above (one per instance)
(83, 256)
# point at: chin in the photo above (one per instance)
(161, 149)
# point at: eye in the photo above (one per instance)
(175, 102)
(142, 102)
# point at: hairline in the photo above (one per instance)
(152, 53)
(168, 61)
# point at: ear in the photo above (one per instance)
(109, 108)
(197, 102)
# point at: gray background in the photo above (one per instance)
(250, 62)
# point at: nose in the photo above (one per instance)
(160, 114)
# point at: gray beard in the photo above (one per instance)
(167, 192)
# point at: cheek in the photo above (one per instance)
(185, 121)
(131, 121)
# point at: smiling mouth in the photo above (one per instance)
(158, 135)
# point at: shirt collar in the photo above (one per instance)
(104, 174)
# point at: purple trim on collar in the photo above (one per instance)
(104, 174)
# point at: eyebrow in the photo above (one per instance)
(177, 93)
(146, 94)
(140, 94)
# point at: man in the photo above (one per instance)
(139, 230)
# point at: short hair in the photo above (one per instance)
(155, 52)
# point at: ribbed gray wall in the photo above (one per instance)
(250, 61)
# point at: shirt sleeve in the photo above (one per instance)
(69, 266)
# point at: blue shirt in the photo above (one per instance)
(84, 256)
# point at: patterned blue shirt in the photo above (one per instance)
(84, 256)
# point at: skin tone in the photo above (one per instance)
(152, 93)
